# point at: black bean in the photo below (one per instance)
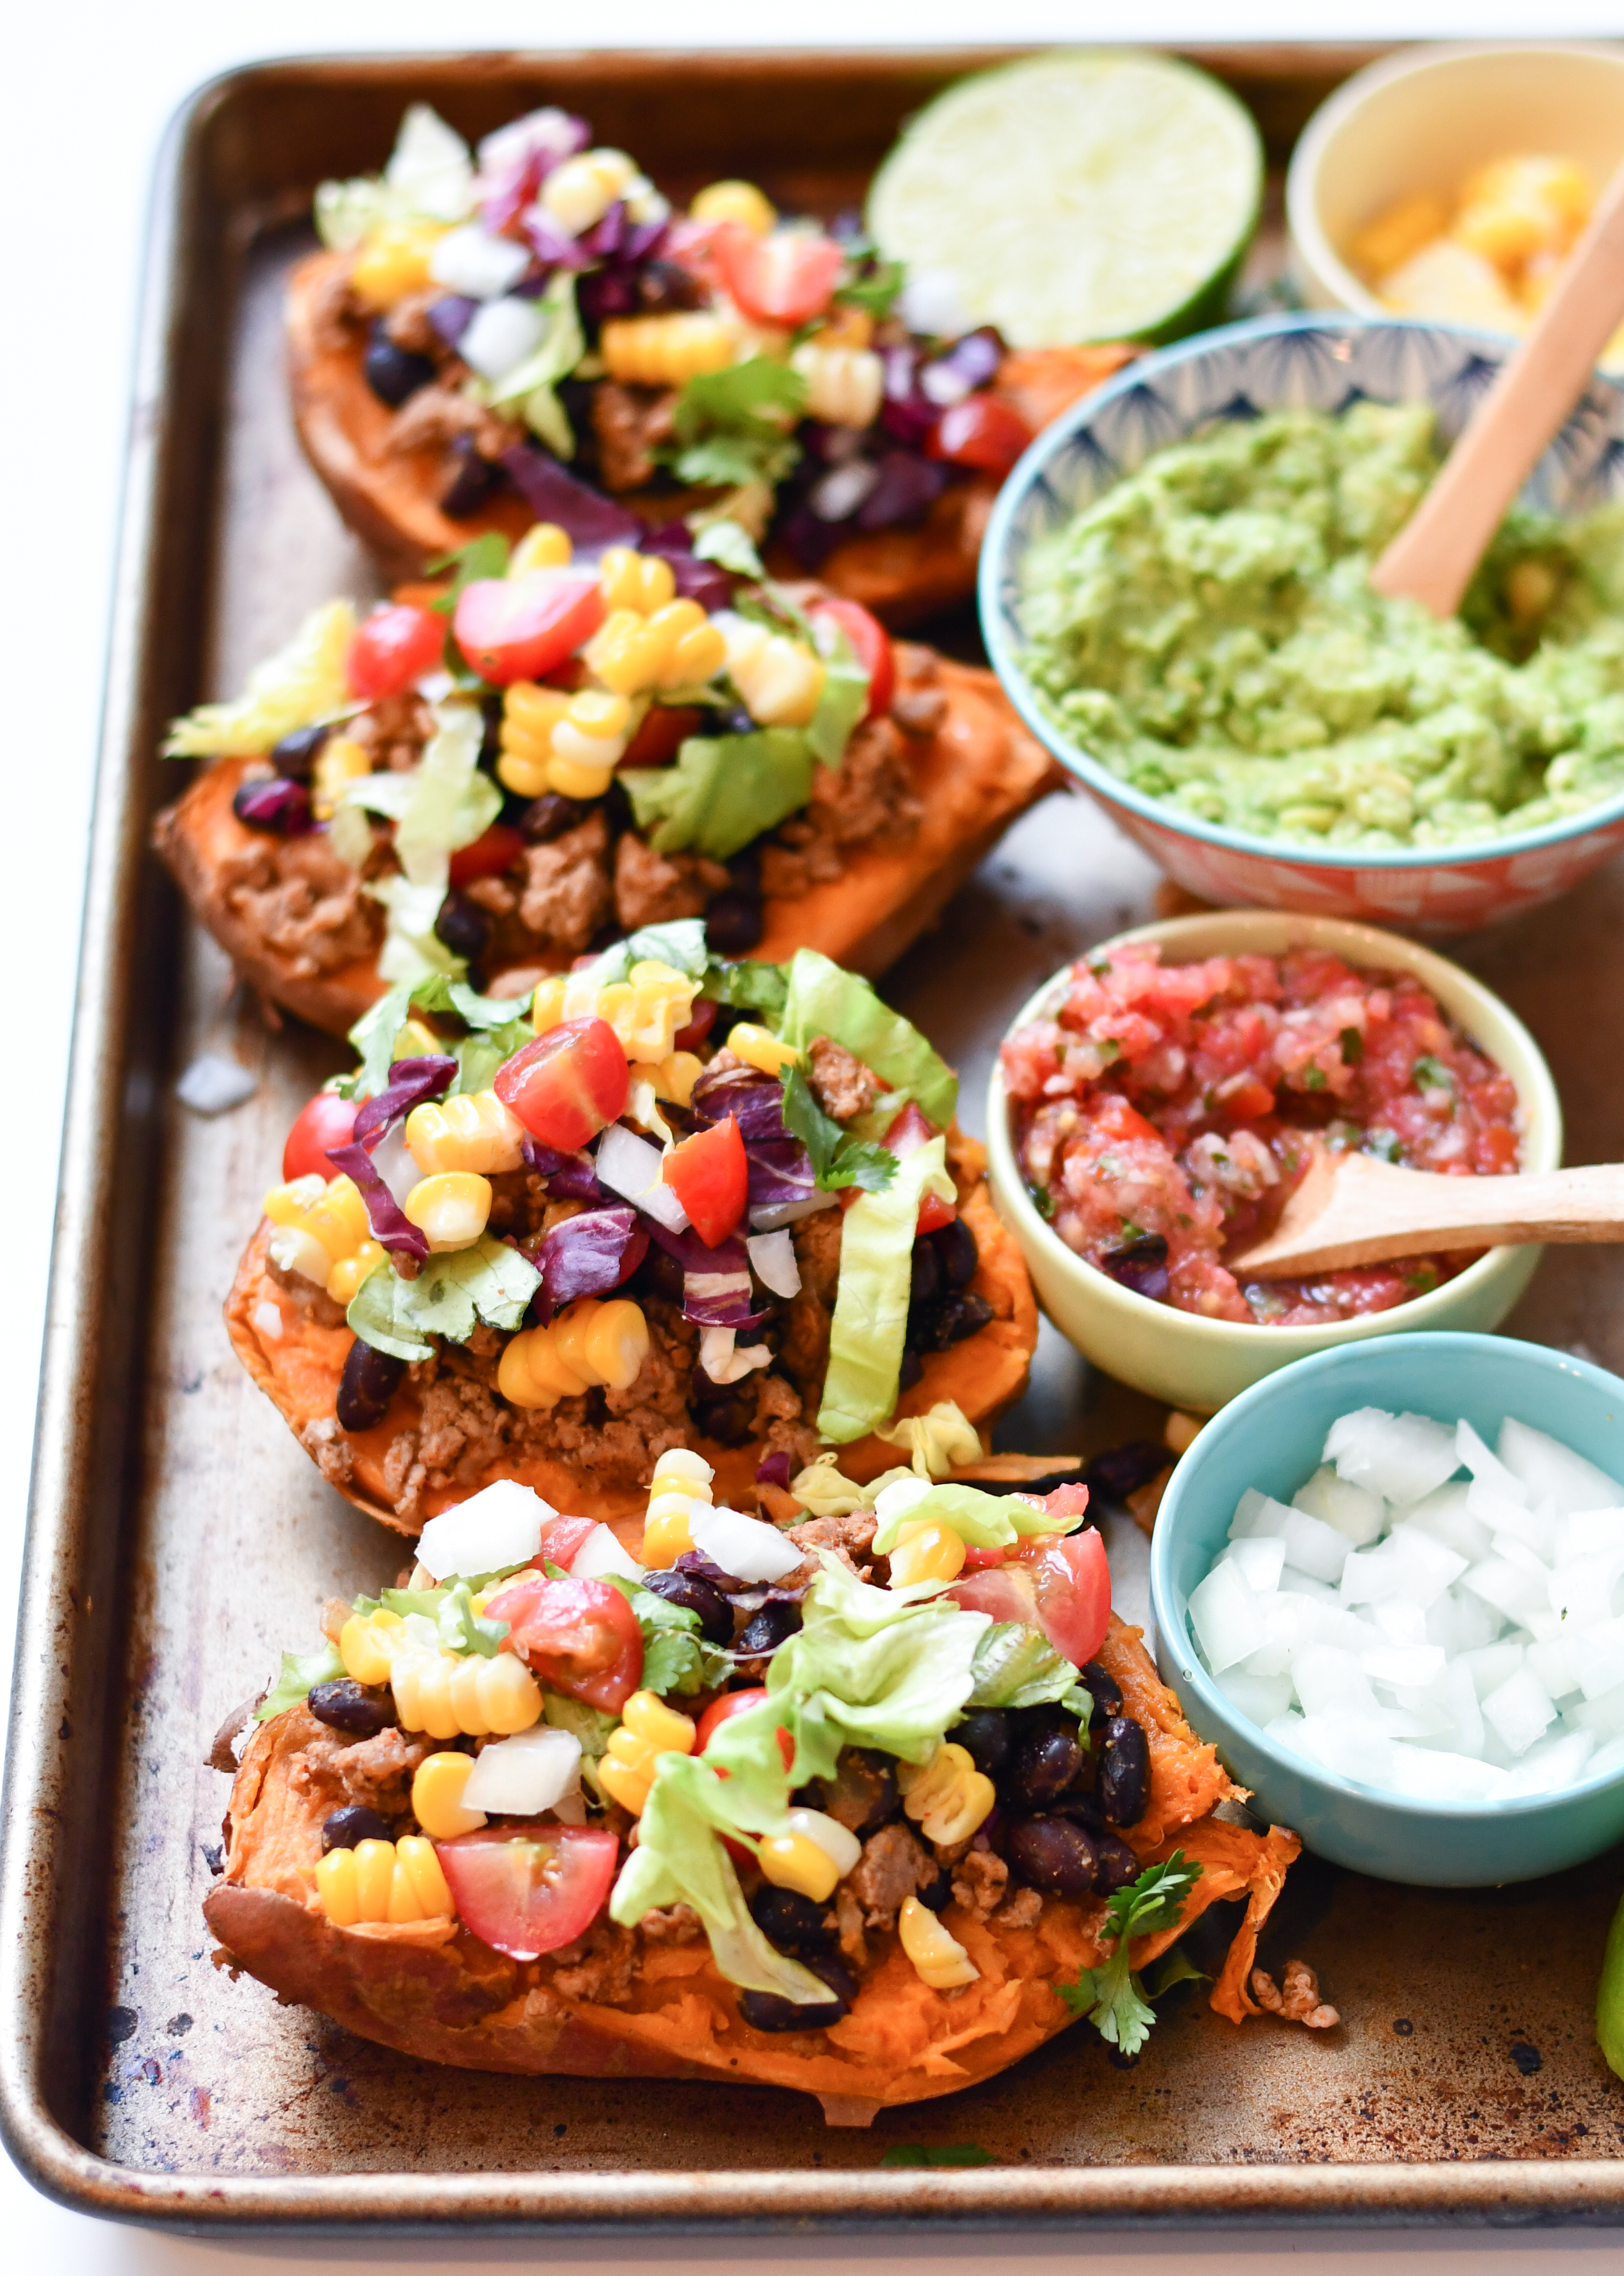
(735, 923)
(394, 373)
(766, 1630)
(1123, 1780)
(789, 1920)
(1052, 1854)
(934, 1327)
(936, 1897)
(356, 1822)
(736, 722)
(728, 1421)
(549, 816)
(695, 1594)
(279, 806)
(464, 927)
(473, 482)
(928, 1281)
(955, 1246)
(658, 1275)
(663, 286)
(1047, 1757)
(1103, 1689)
(986, 1734)
(912, 1368)
(1081, 1808)
(295, 755)
(358, 1709)
(764, 2011)
(368, 1385)
(1116, 1864)
(863, 1791)
(745, 870)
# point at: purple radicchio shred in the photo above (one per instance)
(570, 1177)
(906, 490)
(695, 1560)
(692, 1254)
(451, 316)
(586, 516)
(590, 1254)
(905, 411)
(968, 364)
(390, 1225)
(719, 1300)
(808, 535)
(755, 1101)
(704, 582)
(780, 1173)
(411, 1081)
(281, 807)
(517, 159)
(774, 1471)
(553, 247)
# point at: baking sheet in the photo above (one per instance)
(182, 1540)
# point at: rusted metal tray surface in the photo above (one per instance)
(179, 1539)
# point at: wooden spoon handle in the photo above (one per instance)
(1434, 555)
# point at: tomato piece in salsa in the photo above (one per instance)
(1159, 1116)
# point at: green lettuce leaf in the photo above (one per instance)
(836, 1159)
(843, 702)
(676, 1657)
(487, 554)
(530, 386)
(722, 791)
(461, 1629)
(451, 803)
(983, 1520)
(301, 684)
(488, 1281)
(732, 427)
(412, 949)
(824, 1000)
(680, 943)
(301, 1672)
(728, 545)
(748, 986)
(1017, 1666)
(937, 1441)
(478, 1056)
(590, 1725)
(871, 1298)
(430, 177)
(374, 1034)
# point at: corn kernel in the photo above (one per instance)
(436, 1796)
(940, 1960)
(335, 1886)
(926, 1551)
(845, 385)
(367, 1645)
(640, 581)
(415, 1858)
(675, 1077)
(544, 546)
(667, 1732)
(679, 1469)
(592, 1343)
(472, 1131)
(794, 1860)
(416, 1040)
(846, 327)
(473, 1696)
(759, 1049)
(630, 1788)
(740, 201)
(948, 1798)
(394, 1881)
(320, 1223)
(529, 714)
(375, 1878)
(665, 1531)
(668, 350)
(393, 262)
(344, 1281)
(452, 1208)
(578, 193)
(780, 681)
(339, 761)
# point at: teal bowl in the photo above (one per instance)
(1271, 1437)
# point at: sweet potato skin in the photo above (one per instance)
(298, 1368)
(431, 1991)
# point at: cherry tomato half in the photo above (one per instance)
(871, 646)
(710, 1177)
(661, 732)
(582, 1637)
(1060, 1585)
(568, 1084)
(328, 1121)
(787, 277)
(497, 849)
(912, 1129)
(392, 650)
(525, 1889)
(723, 1710)
(983, 431)
(518, 627)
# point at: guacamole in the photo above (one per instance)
(1207, 631)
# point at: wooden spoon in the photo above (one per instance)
(1432, 557)
(1350, 1209)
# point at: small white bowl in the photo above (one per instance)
(1199, 1364)
(1420, 123)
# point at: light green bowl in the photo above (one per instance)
(1197, 1363)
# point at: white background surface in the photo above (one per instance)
(88, 88)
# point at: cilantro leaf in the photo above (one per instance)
(301, 1672)
(731, 427)
(676, 1658)
(485, 556)
(837, 1160)
(748, 987)
(1111, 1996)
(874, 290)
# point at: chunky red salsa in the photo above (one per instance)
(1159, 1117)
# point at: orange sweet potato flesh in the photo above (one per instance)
(298, 1370)
(431, 1989)
(975, 775)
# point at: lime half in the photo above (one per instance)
(1076, 196)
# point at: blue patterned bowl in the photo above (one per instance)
(1323, 363)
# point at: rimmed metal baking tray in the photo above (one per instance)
(178, 1539)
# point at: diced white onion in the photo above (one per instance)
(772, 1259)
(630, 1166)
(522, 1776)
(837, 1843)
(725, 1359)
(769, 1220)
(743, 1546)
(496, 1529)
(472, 262)
(600, 1553)
(502, 335)
(930, 303)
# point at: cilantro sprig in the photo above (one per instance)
(1111, 1996)
(731, 426)
(836, 1159)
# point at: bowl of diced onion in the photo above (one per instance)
(1384, 1582)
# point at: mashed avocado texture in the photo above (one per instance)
(1206, 629)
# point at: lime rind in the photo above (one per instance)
(1077, 196)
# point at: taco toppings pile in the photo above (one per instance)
(663, 1200)
(530, 330)
(562, 743)
(869, 1804)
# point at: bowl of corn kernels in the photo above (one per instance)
(1450, 184)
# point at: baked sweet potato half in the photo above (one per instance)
(648, 1999)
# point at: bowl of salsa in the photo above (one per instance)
(1154, 1106)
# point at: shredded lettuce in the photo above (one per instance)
(301, 684)
(938, 1441)
(731, 427)
(843, 702)
(461, 1629)
(373, 1035)
(680, 943)
(301, 1672)
(871, 1300)
(722, 791)
(730, 544)
(489, 1281)
(676, 1657)
(1016, 1666)
(428, 177)
(748, 987)
(530, 387)
(824, 1000)
(981, 1521)
(412, 949)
